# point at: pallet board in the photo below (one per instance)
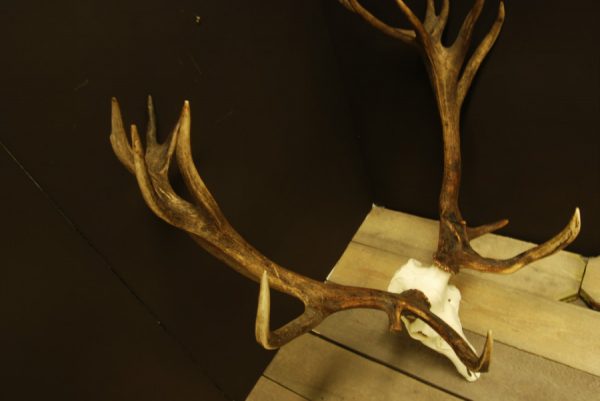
(562, 332)
(544, 348)
(590, 286)
(320, 370)
(522, 375)
(267, 390)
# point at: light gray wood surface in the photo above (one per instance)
(513, 375)
(320, 370)
(590, 287)
(544, 348)
(555, 330)
(267, 390)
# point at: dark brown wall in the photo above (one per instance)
(531, 124)
(100, 299)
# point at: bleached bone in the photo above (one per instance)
(445, 303)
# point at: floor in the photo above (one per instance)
(546, 343)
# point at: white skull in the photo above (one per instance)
(445, 301)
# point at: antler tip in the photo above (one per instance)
(576, 221)
(262, 314)
(486, 354)
(136, 142)
(115, 109)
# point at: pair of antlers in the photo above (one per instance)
(203, 220)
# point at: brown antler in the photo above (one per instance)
(450, 86)
(205, 222)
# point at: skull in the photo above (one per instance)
(445, 302)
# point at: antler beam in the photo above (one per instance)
(450, 86)
(203, 220)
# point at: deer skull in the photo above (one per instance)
(445, 302)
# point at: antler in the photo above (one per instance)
(206, 224)
(450, 86)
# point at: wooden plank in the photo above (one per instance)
(558, 331)
(514, 374)
(556, 277)
(319, 370)
(590, 286)
(267, 390)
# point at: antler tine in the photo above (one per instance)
(220, 239)
(190, 174)
(405, 35)
(118, 137)
(479, 55)
(463, 40)
(414, 21)
(474, 232)
(472, 260)
(277, 338)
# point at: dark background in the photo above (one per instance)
(303, 116)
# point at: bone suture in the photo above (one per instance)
(203, 220)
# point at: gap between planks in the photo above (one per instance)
(266, 389)
(558, 331)
(514, 374)
(318, 369)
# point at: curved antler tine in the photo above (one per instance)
(463, 40)
(277, 338)
(118, 137)
(159, 155)
(143, 177)
(474, 232)
(413, 20)
(479, 55)
(188, 170)
(416, 307)
(507, 266)
(486, 354)
(405, 35)
(160, 197)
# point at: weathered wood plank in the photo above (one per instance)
(590, 286)
(514, 374)
(320, 370)
(558, 331)
(267, 390)
(556, 277)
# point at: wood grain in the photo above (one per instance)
(319, 370)
(514, 374)
(558, 331)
